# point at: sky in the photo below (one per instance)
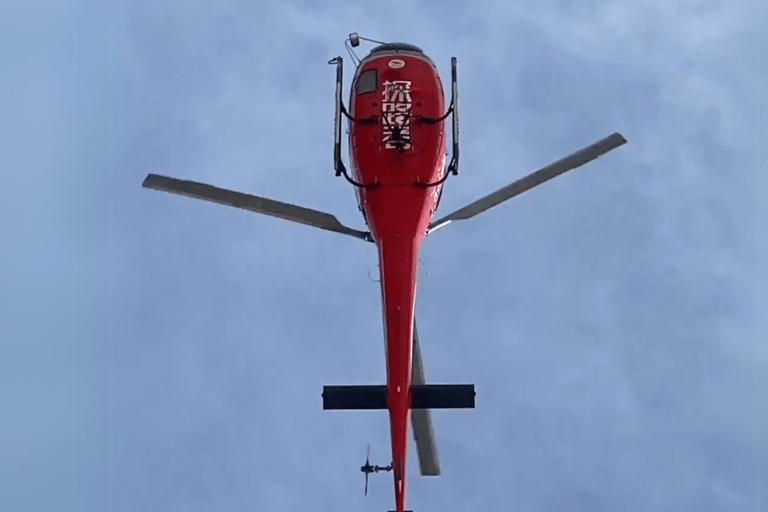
(163, 354)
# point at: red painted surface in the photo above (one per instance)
(398, 212)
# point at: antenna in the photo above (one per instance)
(354, 41)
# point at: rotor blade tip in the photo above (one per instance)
(149, 180)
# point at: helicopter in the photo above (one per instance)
(398, 154)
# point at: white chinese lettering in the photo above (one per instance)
(396, 118)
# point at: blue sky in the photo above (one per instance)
(160, 353)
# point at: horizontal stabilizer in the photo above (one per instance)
(443, 396)
(354, 397)
(429, 396)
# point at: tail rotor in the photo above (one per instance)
(368, 469)
(367, 455)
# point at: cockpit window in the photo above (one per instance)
(397, 47)
(366, 82)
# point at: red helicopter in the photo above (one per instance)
(397, 141)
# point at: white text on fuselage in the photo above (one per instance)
(396, 114)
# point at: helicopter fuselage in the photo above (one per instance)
(397, 146)
(393, 146)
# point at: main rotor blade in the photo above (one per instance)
(421, 419)
(256, 204)
(553, 170)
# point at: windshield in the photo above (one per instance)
(388, 47)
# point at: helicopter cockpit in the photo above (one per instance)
(393, 47)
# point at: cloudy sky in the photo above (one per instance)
(164, 354)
